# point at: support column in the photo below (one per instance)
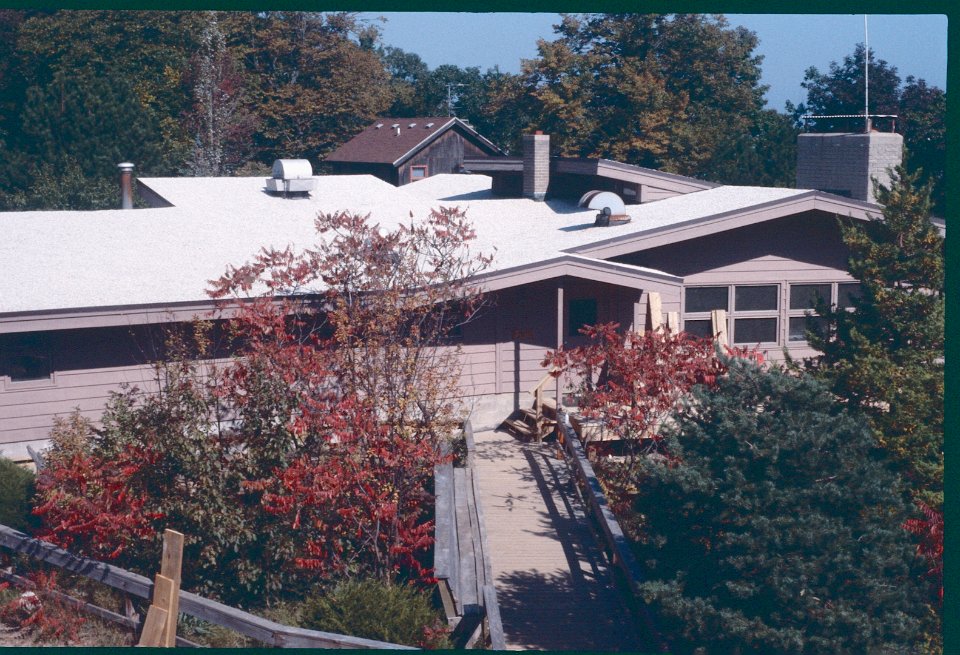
(559, 332)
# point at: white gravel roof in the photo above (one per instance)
(63, 260)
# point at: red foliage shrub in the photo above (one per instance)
(89, 507)
(40, 611)
(930, 531)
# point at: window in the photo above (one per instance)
(755, 313)
(418, 172)
(847, 293)
(25, 356)
(803, 302)
(581, 312)
(753, 317)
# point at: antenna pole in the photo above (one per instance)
(866, 77)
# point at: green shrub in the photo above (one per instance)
(374, 610)
(16, 494)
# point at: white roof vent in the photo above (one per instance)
(379, 125)
(291, 176)
(429, 125)
(412, 125)
(610, 206)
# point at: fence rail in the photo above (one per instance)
(263, 630)
(617, 544)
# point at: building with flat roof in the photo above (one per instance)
(84, 295)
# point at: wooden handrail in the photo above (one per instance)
(256, 627)
(618, 546)
(537, 391)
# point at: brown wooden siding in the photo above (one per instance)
(445, 155)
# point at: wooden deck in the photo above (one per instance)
(554, 587)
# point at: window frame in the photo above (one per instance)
(783, 313)
(415, 167)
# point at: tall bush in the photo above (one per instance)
(777, 527)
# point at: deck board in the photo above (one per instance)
(554, 588)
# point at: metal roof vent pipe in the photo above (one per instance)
(126, 185)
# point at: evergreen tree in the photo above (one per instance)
(886, 356)
(774, 527)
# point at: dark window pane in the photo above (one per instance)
(699, 328)
(755, 330)
(25, 356)
(804, 296)
(846, 293)
(705, 299)
(800, 324)
(754, 298)
(583, 311)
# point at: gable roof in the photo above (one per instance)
(379, 143)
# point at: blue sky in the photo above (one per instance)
(790, 43)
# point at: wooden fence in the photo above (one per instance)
(617, 546)
(258, 628)
(462, 555)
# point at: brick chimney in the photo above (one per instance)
(846, 163)
(126, 185)
(536, 165)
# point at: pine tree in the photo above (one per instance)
(886, 356)
(777, 528)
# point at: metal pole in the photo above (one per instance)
(866, 77)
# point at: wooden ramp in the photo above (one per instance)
(553, 585)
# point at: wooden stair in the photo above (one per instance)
(538, 421)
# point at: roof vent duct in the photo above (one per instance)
(611, 209)
(291, 176)
(126, 185)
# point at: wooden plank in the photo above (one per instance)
(154, 628)
(104, 573)
(494, 622)
(444, 532)
(171, 564)
(468, 439)
(673, 322)
(255, 627)
(718, 322)
(654, 315)
(468, 603)
(476, 538)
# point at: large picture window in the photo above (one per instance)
(756, 312)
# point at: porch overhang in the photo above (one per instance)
(585, 268)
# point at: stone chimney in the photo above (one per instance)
(536, 165)
(126, 185)
(845, 163)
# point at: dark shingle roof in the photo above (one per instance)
(380, 142)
